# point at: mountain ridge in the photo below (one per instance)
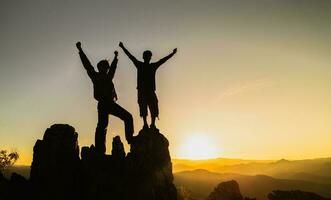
(202, 182)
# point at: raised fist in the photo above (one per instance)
(116, 53)
(121, 44)
(79, 45)
(175, 50)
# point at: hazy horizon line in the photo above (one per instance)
(227, 158)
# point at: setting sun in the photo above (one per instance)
(199, 146)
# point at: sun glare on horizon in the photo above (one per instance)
(199, 147)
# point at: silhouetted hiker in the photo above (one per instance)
(146, 83)
(105, 94)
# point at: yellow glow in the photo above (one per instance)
(199, 146)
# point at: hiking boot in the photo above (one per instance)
(145, 127)
(153, 127)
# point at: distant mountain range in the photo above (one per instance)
(201, 183)
(314, 170)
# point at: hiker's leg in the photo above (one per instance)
(154, 109)
(124, 115)
(143, 108)
(153, 121)
(101, 130)
(145, 121)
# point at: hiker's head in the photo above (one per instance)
(147, 55)
(103, 66)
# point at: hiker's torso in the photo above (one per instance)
(103, 87)
(146, 77)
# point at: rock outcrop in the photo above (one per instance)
(294, 195)
(149, 167)
(55, 169)
(228, 190)
(145, 173)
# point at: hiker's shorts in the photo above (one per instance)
(148, 99)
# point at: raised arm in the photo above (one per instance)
(132, 58)
(163, 60)
(86, 63)
(113, 66)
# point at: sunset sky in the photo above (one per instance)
(251, 79)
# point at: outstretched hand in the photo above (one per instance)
(79, 45)
(121, 44)
(174, 51)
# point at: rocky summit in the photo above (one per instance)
(57, 171)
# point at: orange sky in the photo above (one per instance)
(250, 80)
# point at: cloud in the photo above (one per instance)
(246, 87)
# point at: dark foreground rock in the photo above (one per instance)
(17, 187)
(229, 190)
(57, 172)
(294, 195)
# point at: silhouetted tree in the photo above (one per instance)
(7, 159)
